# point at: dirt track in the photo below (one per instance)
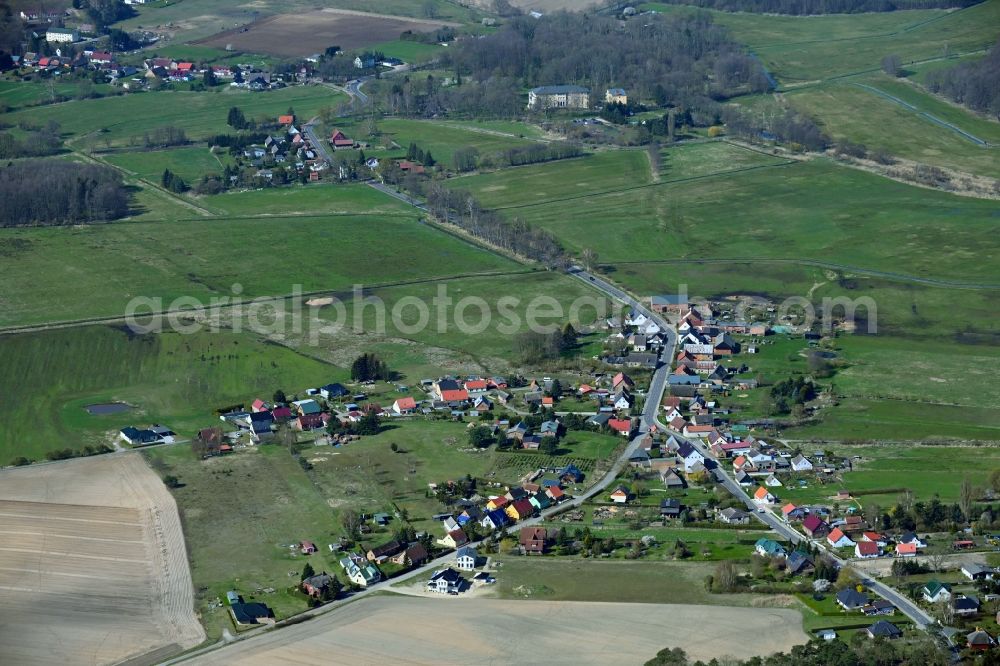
(93, 567)
(413, 630)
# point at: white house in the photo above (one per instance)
(935, 592)
(837, 539)
(690, 456)
(772, 482)
(465, 558)
(801, 464)
(446, 581)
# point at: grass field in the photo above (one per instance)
(808, 48)
(572, 579)
(188, 163)
(92, 271)
(825, 212)
(16, 94)
(485, 341)
(200, 114)
(311, 200)
(442, 140)
(925, 470)
(172, 379)
(848, 111)
(693, 160)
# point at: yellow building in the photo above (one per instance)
(616, 96)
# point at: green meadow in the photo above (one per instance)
(125, 119)
(810, 48)
(189, 163)
(174, 379)
(847, 111)
(442, 140)
(824, 212)
(94, 271)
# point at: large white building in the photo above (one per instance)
(62, 35)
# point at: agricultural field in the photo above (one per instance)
(319, 200)
(124, 120)
(188, 163)
(442, 139)
(483, 344)
(94, 271)
(579, 633)
(173, 379)
(195, 20)
(883, 473)
(847, 110)
(688, 161)
(302, 34)
(809, 48)
(92, 553)
(826, 213)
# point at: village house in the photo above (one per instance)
(413, 555)
(935, 592)
(883, 629)
(866, 550)
(975, 571)
(768, 548)
(763, 496)
(380, 554)
(533, 540)
(731, 516)
(251, 613)
(850, 599)
(446, 581)
(616, 96)
(621, 495)
(466, 558)
(837, 539)
(318, 585)
(979, 640)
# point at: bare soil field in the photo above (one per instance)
(413, 630)
(295, 35)
(93, 568)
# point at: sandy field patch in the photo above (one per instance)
(296, 35)
(413, 630)
(93, 568)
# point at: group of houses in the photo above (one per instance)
(570, 97)
(496, 512)
(290, 150)
(640, 339)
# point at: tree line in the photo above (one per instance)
(813, 7)
(55, 192)
(791, 128)
(469, 158)
(516, 236)
(974, 84)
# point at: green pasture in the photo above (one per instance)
(848, 111)
(173, 379)
(824, 212)
(188, 163)
(125, 119)
(310, 200)
(442, 140)
(94, 271)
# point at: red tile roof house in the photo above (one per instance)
(866, 549)
(404, 406)
(339, 140)
(455, 395)
(621, 426)
(476, 386)
(282, 120)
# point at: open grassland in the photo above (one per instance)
(310, 200)
(125, 119)
(302, 34)
(442, 140)
(16, 94)
(825, 212)
(92, 553)
(925, 470)
(809, 48)
(716, 157)
(887, 419)
(93, 271)
(188, 163)
(174, 379)
(565, 632)
(860, 115)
